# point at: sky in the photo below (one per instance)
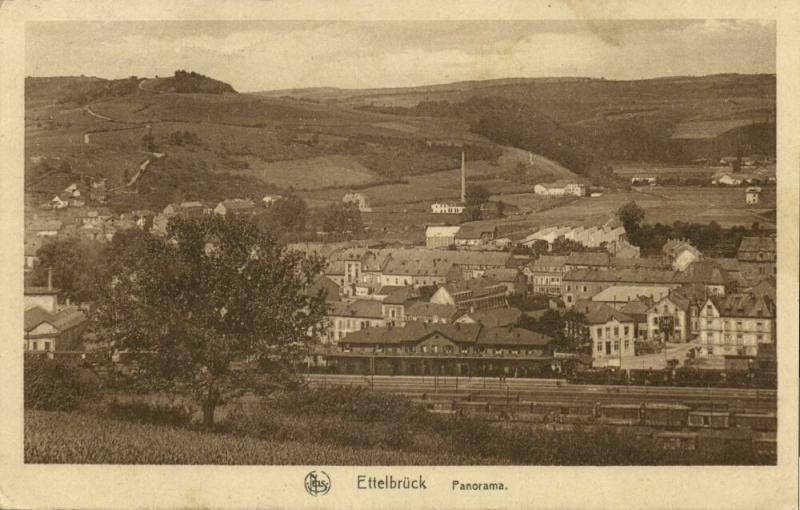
(269, 55)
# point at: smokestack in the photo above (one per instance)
(463, 179)
(49, 278)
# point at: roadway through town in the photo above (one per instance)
(553, 390)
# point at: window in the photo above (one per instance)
(616, 331)
(760, 338)
(584, 288)
(759, 326)
(424, 348)
(599, 332)
(626, 329)
(435, 349)
(655, 321)
(616, 345)
(35, 345)
(393, 313)
(448, 349)
(627, 345)
(569, 288)
(599, 346)
(569, 299)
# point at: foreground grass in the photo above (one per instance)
(58, 437)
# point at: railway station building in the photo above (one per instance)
(421, 348)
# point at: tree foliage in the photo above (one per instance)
(342, 219)
(74, 263)
(631, 215)
(213, 292)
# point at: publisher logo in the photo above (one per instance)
(318, 483)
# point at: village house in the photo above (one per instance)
(736, 324)
(669, 319)
(613, 336)
(511, 278)
(447, 208)
(44, 228)
(644, 181)
(236, 207)
(560, 188)
(440, 236)
(469, 236)
(471, 295)
(269, 200)
(583, 284)
(587, 260)
(431, 312)
(359, 200)
(623, 249)
(752, 195)
(497, 318)
(59, 331)
(756, 256)
(345, 317)
(544, 274)
(679, 254)
(421, 348)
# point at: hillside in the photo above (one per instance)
(219, 145)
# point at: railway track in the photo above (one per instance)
(494, 391)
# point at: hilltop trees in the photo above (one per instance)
(215, 291)
(476, 195)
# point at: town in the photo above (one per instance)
(401, 278)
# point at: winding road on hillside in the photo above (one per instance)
(154, 156)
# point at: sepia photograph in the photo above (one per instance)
(377, 243)
(431, 260)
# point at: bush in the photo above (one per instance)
(57, 385)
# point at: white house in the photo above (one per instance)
(447, 208)
(613, 334)
(357, 199)
(268, 200)
(560, 188)
(752, 194)
(736, 324)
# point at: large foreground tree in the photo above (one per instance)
(215, 295)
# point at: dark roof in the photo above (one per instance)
(424, 309)
(35, 316)
(744, 305)
(589, 258)
(603, 314)
(512, 336)
(413, 331)
(633, 263)
(756, 244)
(366, 308)
(496, 318)
(706, 272)
(549, 261)
(68, 318)
(640, 275)
(327, 286)
(400, 296)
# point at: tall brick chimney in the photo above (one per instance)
(463, 179)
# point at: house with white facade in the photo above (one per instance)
(613, 335)
(736, 324)
(447, 208)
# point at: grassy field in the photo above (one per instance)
(57, 437)
(311, 173)
(628, 169)
(726, 206)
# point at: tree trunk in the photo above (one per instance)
(209, 405)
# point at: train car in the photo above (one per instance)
(619, 414)
(676, 440)
(664, 415)
(766, 422)
(701, 419)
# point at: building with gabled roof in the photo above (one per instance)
(471, 295)
(497, 318)
(544, 274)
(736, 324)
(235, 206)
(680, 254)
(431, 312)
(613, 336)
(437, 236)
(420, 348)
(757, 256)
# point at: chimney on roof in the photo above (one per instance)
(49, 278)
